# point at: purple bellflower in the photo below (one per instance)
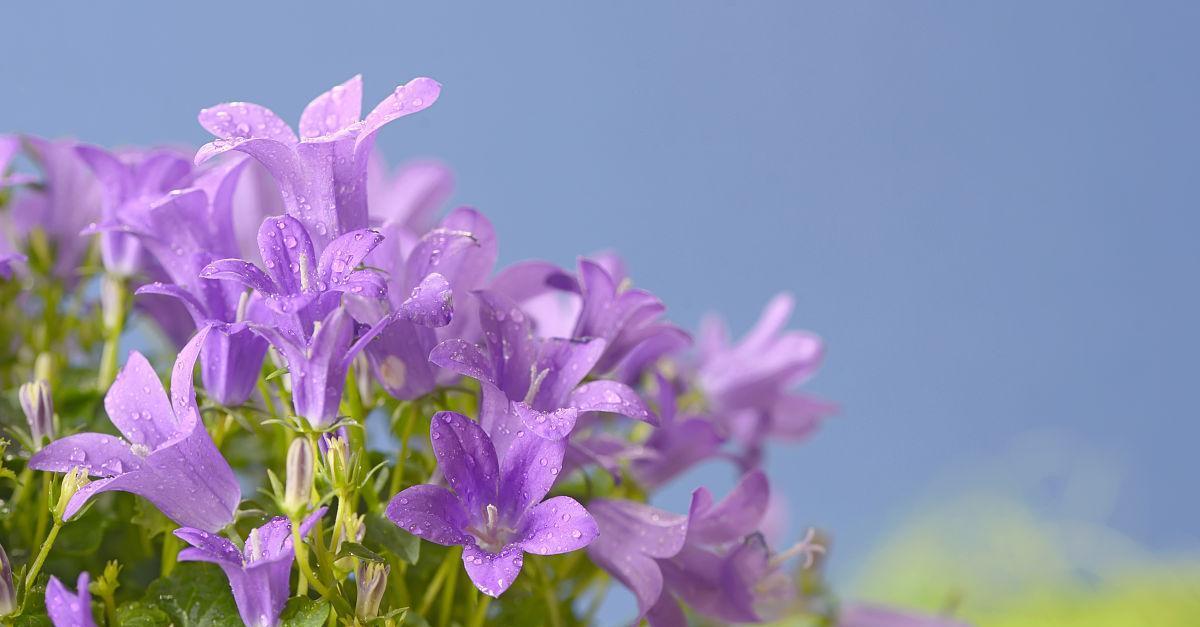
(131, 182)
(10, 146)
(531, 383)
(70, 609)
(168, 458)
(258, 574)
(495, 511)
(439, 269)
(322, 173)
(681, 441)
(748, 384)
(7, 261)
(409, 197)
(62, 206)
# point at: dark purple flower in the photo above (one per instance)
(131, 182)
(258, 574)
(169, 458)
(67, 200)
(864, 615)
(322, 173)
(69, 609)
(531, 383)
(495, 511)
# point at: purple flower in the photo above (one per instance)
(408, 198)
(318, 365)
(749, 384)
(531, 383)
(460, 253)
(67, 201)
(713, 559)
(7, 259)
(297, 285)
(169, 458)
(10, 145)
(679, 443)
(864, 615)
(496, 511)
(131, 182)
(69, 609)
(258, 574)
(322, 173)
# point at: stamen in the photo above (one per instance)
(305, 266)
(243, 304)
(493, 515)
(807, 546)
(255, 540)
(535, 383)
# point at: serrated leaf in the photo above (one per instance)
(392, 539)
(305, 612)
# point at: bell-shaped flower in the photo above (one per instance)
(297, 285)
(495, 510)
(167, 456)
(258, 573)
(322, 172)
(681, 441)
(409, 197)
(70, 609)
(66, 201)
(531, 383)
(131, 182)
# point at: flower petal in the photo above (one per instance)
(207, 547)
(234, 120)
(735, 517)
(241, 271)
(431, 512)
(333, 110)
(137, 404)
(492, 573)
(557, 525)
(552, 425)
(632, 537)
(567, 362)
(614, 397)
(464, 358)
(510, 342)
(70, 609)
(466, 457)
(528, 471)
(343, 255)
(102, 455)
(287, 252)
(431, 303)
(399, 358)
(411, 97)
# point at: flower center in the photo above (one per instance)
(492, 536)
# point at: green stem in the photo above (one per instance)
(112, 335)
(448, 591)
(36, 567)
(480, 611)
(170, 552)
(43, 517)
(409, 417)
(438, 579)
(307, 574)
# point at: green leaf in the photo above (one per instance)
(276, 374)
(195, 594)
(305, 612)
(355, 549)
(391, 538)
(141, 614)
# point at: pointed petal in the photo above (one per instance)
(467, 459)
(411, 97)
(567, 363)
(632, 537)
(735, 517)
(333, 110)
(69, 609)
(557, 525)
(235, 120)
(207, 547)
(528, 471)
(510, 342)
(343, 255)
(102, 455)
(431, 303)
(137, 404)
(551, 425)
(194, 306)
(464, 358)
(365, 283)
(614, 397)
(492, 573)
(243, 272)
(287, 252)
(430, 512)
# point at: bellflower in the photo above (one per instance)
(8, 592)
(322, 173)
(7, 261)
(679, 443)
(70, 609)
(495, 511)
(530, 383)
(258, 574)
(409, 197)
(67, 201)
(131, 181)
(297, 285)
(749, 384)
(461, 251)
(10, 146)
(169, 458)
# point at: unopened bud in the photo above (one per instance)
(71, 482)
(299, 481)
(39, 411)
(8, 593)
(43, 367)
(112, 301)
(372, 582)
(337, 461)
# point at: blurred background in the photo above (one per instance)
(989, 213)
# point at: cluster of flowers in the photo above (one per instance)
(527, 410)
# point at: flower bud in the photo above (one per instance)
(39, 411)
(71, 482)
(112, 301)
(8, 594)
(337, 461)
(43, 367)
(299, 482)
(372, 582)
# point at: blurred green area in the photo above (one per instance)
(998, 550)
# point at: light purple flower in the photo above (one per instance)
(258, 574)
(495, 511)
(409, 197)
(169, 458)
(865, 615)
(679, 443)
(749, 384)
(297, 285)
(633, 537)
(322, 173)
(131, 181)
(70, 609)
(7, 260)
(67, 201)
(531, 383)
(318, 365)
